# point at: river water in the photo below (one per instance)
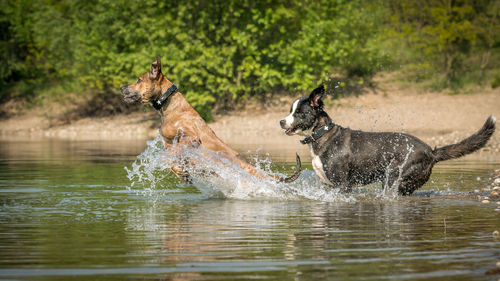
(74, 210)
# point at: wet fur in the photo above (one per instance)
(182, 125)
(346, 158)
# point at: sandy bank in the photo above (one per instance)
(436, 118)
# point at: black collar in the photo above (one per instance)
(318, 133)
(157, 104)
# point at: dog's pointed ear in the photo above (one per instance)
(317, 95)
(155, 71)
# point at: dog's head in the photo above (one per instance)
(147, 88)
(304, 113)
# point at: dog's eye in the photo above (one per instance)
(138, 81)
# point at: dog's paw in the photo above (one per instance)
(181, 175)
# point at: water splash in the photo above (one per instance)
(391, 189)
(148, 169)
(215, 176)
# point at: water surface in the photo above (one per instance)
(68, 211)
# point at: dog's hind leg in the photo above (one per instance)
(408, 186)
(413, 182)
(413, 178)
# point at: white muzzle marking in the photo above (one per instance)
(289, 119)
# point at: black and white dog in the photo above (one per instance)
(344, 158)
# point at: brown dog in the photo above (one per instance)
(182, 125)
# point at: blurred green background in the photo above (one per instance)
(223, 53)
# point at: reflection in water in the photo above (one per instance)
(68, 211)
(416, 233)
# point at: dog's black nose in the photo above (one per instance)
(282, 123)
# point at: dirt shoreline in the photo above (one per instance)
(436, 118)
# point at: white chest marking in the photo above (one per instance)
(318, 167)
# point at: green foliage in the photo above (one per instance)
(224, 52)
(448, 40)
(496, 81)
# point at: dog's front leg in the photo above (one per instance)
(181, 174)
(179, 166)
(335, 174)
(344, 184)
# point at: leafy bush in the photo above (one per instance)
(224, 52)
(496, 81)
(448, 40)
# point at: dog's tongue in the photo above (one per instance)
(289, 132)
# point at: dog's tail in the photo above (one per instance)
(468, 145)
(296, 174)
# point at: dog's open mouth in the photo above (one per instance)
(290, 132)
